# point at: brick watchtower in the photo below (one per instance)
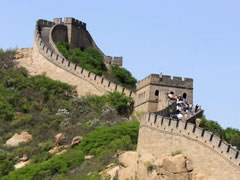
(151, 95)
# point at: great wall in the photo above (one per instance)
(157, 135)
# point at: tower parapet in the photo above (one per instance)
(113, 60)
(151, 95)
(165, 80)
(75, 22)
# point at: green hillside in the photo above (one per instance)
(44, 108)
(92, 60)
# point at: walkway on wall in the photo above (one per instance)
(190, 131)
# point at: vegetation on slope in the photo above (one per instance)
(44, 107)
(230, 135)
(92, 60)
(102, 142)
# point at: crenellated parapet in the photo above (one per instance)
(164, 80)
(75, 22)
(191, 132)
(45, 23)
(113, 60)
(51, 53)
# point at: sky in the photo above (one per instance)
(186, 38)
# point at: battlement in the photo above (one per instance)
(191, 132)
(45, 23)
(56, 58)
(164, 80)
(75, 22)
(57, 20)
(113, 60)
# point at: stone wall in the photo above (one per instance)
(164, 85)
(168, 81)
(46, 59)
(59, 33)
(209, 154)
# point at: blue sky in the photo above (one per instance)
(187, 38)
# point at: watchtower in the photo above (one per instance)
(152, 91)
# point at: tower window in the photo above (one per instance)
(157, 93)
(184, 95)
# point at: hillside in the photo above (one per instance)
(68, 111)
(44, 108)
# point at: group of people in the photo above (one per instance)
(184, 110)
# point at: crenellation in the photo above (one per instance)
(208, 139)
(175, 78)
(98, 79)
(75, 22)
(120, 89)
(92, 76)
(106, 83)
(72, 67)
(113, 60)
(67, 65)
(54, 57)
(57, 20)
(112, 86)
(166, 80)
(117, 61)
(49, 52)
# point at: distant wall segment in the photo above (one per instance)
(49, 51)
(210, 155)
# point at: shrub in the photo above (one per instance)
(122, 137)
(120, 102)
(235, 141)
(176, 152)
(123, 77)
(90, 59)
(5, 165)
(150, 166)
(56, 165)
(6, 111)
(7, 58)
(212, 126)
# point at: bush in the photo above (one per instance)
(7, 58)
(212, 126)
(123, 137)
(5, 165)
(231, 135)
(123, 77)
(150, 166)
(6, 111)
(90, 59)
(56, 165)
(176, 152)
(235, 141)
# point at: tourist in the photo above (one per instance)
(180, 116)
(172, 96)
(196, 108)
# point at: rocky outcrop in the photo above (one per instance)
(148, 167)
(22, 137)
(23, 162)
(59, 139)
(128, 165)
(76, 140)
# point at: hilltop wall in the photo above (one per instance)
(46, 59)
(209, 154)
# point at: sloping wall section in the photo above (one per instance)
(46, 59)
(210, 155)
